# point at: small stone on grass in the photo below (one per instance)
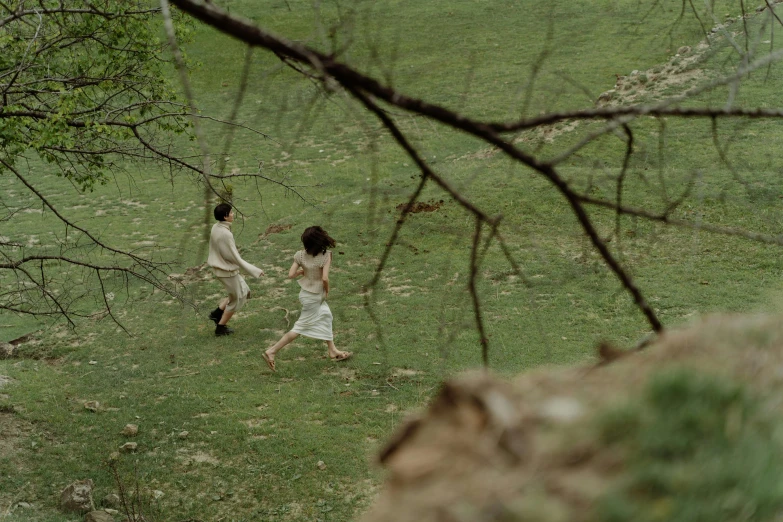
(130, 430)
(129, 447)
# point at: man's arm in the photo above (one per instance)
(247, 267)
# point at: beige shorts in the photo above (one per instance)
(238, 292)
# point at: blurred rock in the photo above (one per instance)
(562, 410)
(130, 430)
(98, 516)
(111, 500)
(77, 497)
(129, 447)
(552, 444)
(7, 350)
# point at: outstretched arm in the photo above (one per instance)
(233, 255)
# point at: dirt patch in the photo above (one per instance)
(276, 293)
(421, 206)
(22, 339)
(193, 274)
(255, 423)
(346, 374)
(672, 78)
(199, 457)
(405, 372)
(480, 154)
(400, 291)
(680, 72)
(274, 229)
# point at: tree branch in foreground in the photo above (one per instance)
(364, 87)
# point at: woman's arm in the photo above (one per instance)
(295, 271)
(325, 274)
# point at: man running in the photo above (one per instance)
(226, 263)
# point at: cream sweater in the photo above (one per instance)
(313, 267)
(224, 257)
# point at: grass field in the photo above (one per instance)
(254, 438)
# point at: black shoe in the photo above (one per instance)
(216, 315)
(222, 329)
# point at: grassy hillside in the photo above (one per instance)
(255, 439)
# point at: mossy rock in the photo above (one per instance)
(687, 429)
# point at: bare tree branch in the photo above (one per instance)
(474, 294)
(621, 179)
(362, 86)
(666, 218)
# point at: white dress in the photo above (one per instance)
(315, 321)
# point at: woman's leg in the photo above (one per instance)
(287, 338)
(334, 353)
(269, 354)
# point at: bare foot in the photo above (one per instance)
(340, 356)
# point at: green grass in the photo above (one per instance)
(255, 438)
(698, 449)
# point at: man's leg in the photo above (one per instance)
(230, 304)
(226, 317)
(217, 313)
(221, 328)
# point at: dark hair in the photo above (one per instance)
(222, 211)
(316, 240)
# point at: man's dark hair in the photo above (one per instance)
(316, 240)
(222, 211)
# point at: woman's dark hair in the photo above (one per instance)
(222, 211)
(316, 241)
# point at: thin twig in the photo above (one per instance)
(181, 375)
(474, 294)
